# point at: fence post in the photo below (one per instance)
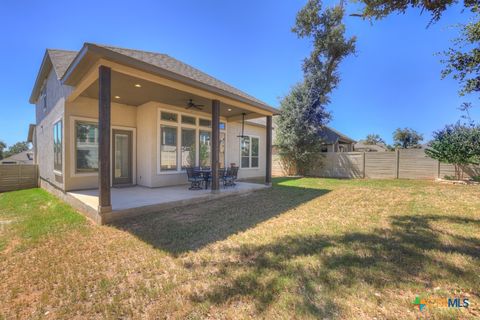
(397, 163)
(19, 178)
(364, 164)
(439, 169)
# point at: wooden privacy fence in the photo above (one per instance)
(18, 177)
(399, 164)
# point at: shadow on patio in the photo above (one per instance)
(188, 228)
(319, 271)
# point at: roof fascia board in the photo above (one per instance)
(43, 72)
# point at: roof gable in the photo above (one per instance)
(173, 65)
(61, 60)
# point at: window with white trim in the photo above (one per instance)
(249, 152)
(86, 146)
(185, 141)
(57, 146)
(168, 148)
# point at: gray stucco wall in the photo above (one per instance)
(45, 119)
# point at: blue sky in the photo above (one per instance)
(393, 80)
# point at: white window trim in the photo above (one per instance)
(250, 153)
(74, 174)
(179, 125)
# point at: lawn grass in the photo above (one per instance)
(307, 248)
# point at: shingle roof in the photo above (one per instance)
(331, 135)
(61, 59)
(173, 65)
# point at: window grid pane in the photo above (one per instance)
(86, 146)
(168, 148)
(254, 147)
(205, 149)
(189, 120)
(188, 147)
(168, 116)
(57, 146)
(205, 123)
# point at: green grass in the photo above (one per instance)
(29, 215)
(307, 248)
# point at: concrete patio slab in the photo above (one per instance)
(137, 200)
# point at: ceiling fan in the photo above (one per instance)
(191, 104)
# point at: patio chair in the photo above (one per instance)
(230, 176)
(194, 178)
(221, 174)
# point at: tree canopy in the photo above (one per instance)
(303, 111)
(3, 145)
(407, 138)
(373, 139)
(462, 60)
(458, 144)
(16, 148)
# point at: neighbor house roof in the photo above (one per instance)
(362, 146)
(65, 64)
(330, 135)
(24, 157)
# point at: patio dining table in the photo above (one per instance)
(205, 173)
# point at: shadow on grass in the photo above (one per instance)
(319, 268)
(190, 228)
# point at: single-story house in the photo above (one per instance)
(361, 146)
(24, 157)
(113, 117)
(335, 141)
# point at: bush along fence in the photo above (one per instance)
(399, 164)
(18, 177)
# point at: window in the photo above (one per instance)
(57, 146)
(168, 116)
(185, 141)
(168, 148)
(205, 123)
(188, 147)
(221, 158)
(324, 148)
(43, 97)
(189, 120)
(86, 146)
(205, 149)
(249, 150)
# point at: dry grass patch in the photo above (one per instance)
(308, 248)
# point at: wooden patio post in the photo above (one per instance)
(268, 164)
(215, 143)
(104, 112)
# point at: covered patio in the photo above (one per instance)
(137, 200)
(137, 80)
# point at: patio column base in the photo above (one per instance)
(215, 191)
(104, 209)
(268, 184)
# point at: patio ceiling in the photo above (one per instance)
(124, 87)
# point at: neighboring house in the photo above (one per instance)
(24, 157)
(157, 111)
(361, 146)
(335, 141)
